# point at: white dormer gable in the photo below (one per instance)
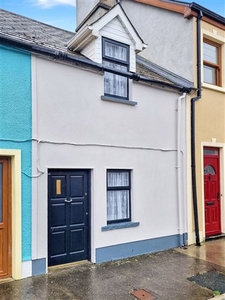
(114, 25)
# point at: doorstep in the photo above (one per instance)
(215, 237)
(69, 265)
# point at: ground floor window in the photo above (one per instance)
(118, 196)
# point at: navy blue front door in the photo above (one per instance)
(68, 216)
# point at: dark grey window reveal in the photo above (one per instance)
(118, 196)
(115, 56)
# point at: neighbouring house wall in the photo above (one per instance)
(210, 130)
(16, 126)
(210, 111)
(83, 8)
(104, 135)
(169, 37)
(217, 35)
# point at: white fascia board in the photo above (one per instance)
(81, 39)
(89, 32)
(117, 12)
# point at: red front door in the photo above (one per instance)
(212, 191)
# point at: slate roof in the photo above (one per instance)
(35, 33)
(152, 68)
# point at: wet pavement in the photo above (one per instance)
(164, 275)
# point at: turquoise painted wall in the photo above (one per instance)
(16, 126)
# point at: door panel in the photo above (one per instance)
(68, 216)
(5, 218)
(76, 240)
(58, 243)
(212, 193)
(77, 215)
(76, 186)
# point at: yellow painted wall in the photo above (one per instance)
(210, 126)
(209, 120)
(210, 116)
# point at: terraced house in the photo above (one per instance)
(189, 40)
(93, 141)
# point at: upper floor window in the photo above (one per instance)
(212, 62)
(115, 56)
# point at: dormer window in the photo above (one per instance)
(115, 56)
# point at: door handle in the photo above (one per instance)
(68, 201)
(218, 196)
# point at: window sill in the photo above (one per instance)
(117, 100)
(213, 87)
(120, 226)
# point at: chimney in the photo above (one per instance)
(84, 7)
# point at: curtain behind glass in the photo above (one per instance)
(116, 51)
(115, 84)
(118, 179)
(118, 205)
(118, 200)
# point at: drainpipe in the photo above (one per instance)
(179, 175)
(193, 100)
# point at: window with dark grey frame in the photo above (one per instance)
(118, 196)
(116, 56)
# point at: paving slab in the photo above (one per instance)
(163, 274)
(211, 251)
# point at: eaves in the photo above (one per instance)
(78, 60)
(188, 9)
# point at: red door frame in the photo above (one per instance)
(212, 205)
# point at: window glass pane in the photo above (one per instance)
(118, 179)
(209, 170)
(115, 66)
(211, 152)
(1, 193)
(115, 84)
(210, 53)
(210, 74)
(116, 51)
(117, 205)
